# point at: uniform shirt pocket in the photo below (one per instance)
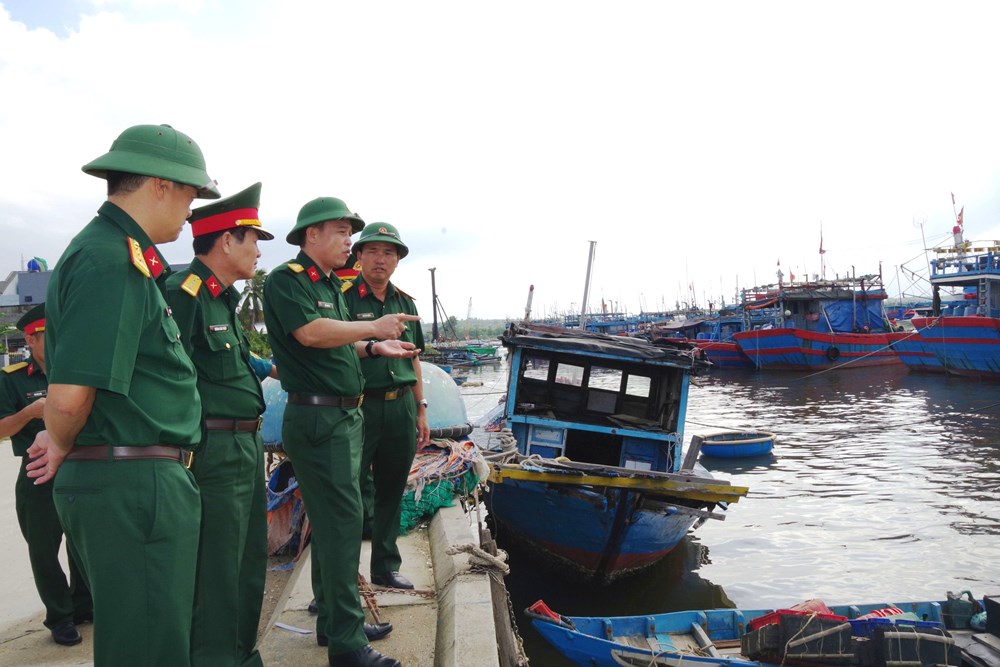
(220, 360)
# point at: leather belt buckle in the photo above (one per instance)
(392, 395)
(187, 458)
(260, 422)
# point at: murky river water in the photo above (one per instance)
(883, 485)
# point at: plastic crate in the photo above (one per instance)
(775, 617)
(866, 627)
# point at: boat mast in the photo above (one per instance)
(434, 303)
(586, 285)
(527, 306)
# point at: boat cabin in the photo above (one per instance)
(598, 399)
(975, 269)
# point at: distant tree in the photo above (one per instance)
(252, 301)
(259, 344)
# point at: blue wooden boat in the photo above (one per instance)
(598, 487)
(737, 444)
(819, 325)
(963, 338)
(725, 637)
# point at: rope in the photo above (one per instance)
(481, 560)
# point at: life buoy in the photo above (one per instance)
(832, 353)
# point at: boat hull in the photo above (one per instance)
(802, 350)
(965, 345)
(596, 533)
(725, 355)
(737, 445)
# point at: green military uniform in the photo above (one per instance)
(323, 442)
(228, 466)
(20, 385)
(134, 519)
(390, 424)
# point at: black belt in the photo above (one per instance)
(249, 425)
(323, 399)
(387, 394)
(109, 453)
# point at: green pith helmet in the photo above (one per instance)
(159, 151)
(320, 210)
(382, 232)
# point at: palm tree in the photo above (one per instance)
(252, 300)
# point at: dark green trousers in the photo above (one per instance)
(324, 445)
(36, 515)
(232, 553)
(390, 443)
(135, 524)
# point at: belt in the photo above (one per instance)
(387, 394)
(249, 425)
(109, 453)
(328, 401)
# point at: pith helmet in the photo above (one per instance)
(159, 151)
(320, 210)
(239, 210)
(382, 232)
(33, 321)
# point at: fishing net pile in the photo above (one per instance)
(442, 470)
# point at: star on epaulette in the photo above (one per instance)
(138, 259)
(191, 285)
(296, 267)
(13, 368)
(345, 285)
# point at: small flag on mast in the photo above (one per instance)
(961, 213)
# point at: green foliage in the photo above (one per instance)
(259, 344)
(252, 300)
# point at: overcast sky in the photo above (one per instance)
(698, 143)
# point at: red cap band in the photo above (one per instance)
(241, 217)
(35, 327)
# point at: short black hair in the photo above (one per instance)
(121, 182)
(203, 244)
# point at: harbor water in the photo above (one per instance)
(883, 485)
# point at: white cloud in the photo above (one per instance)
(694, 144)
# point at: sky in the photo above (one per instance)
(700, 145)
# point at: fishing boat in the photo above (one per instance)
(962, 339)
(598, 487)
(713, 335)
(737, 444)
(818, 325)
(871, 634)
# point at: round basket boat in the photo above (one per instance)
(737, 444)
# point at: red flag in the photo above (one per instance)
(821, 251)
(961, 212)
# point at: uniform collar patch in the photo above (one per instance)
(363, 290)
(313, 273)
(153, 261)
(213, 285)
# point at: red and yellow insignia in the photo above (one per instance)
(191, 285)
(313, 273)
(153, 261)
(213, 286)
(138, 260)
(15, 367)
(297, 268)
(362, 290)
(345, 285)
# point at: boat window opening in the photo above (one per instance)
(638, 385)
(593, 447)
(602, 401)
(570, 374)
(536, 368)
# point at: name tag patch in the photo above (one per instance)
(218, 328)
(365, 316)
(37, 394)
(324, 304)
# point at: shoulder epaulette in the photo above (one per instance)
(138, 259)
(296, 267)
(191, 285)
(346, 285)
(13, 368)
(404, 294)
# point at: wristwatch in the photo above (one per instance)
(422, 402)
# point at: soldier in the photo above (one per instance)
(318, 350)
(394, 409)
(123, 412)
(229, 462)
(22, 397)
